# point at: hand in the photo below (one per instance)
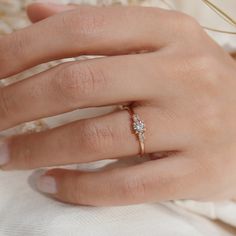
(181, 81)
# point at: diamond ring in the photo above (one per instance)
(139, 128)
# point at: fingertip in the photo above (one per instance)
(36, 12)
(47, 184)
(39, 11)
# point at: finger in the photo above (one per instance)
(105, 137)
(39, 11)
(87, 30)
(151, 181)
(90, 83)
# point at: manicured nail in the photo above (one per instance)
(4, 153)
(46, 184)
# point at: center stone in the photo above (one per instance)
(139, 126)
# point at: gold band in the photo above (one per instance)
(138, 128)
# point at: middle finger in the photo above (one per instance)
(90, 83)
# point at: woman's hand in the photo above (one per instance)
(181, 81)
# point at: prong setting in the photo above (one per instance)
(139, 127)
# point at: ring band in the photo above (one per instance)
(139, 128)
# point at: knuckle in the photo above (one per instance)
(26, 159)
(203, 76)
(169, 185)
(67, 82)
(83, 22)
(22, 153)
(210, 128)
(78, 82)
(73, 191)
(185, 24)
(4, 60)
(97, 138)
(134, 188)
(17, 44)
(201, 62)
(199, 71)
(4, 105)
(12, 49)
(79, 192)
(207, 121)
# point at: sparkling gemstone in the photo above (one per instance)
(138, 125)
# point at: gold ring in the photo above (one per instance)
(139, 128)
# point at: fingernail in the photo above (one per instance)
(47, 184)
(4, 153)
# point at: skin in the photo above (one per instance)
(183, 85)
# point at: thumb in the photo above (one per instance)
(40, 11)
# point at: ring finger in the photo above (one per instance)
(105, 137)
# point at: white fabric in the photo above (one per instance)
(23, 211)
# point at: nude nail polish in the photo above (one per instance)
(46, 184)
(4, 153)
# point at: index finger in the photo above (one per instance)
(86, 30)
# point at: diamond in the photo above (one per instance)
(139, 128)
(138, 125)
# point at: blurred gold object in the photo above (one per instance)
(233, 55)
(222, 14)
